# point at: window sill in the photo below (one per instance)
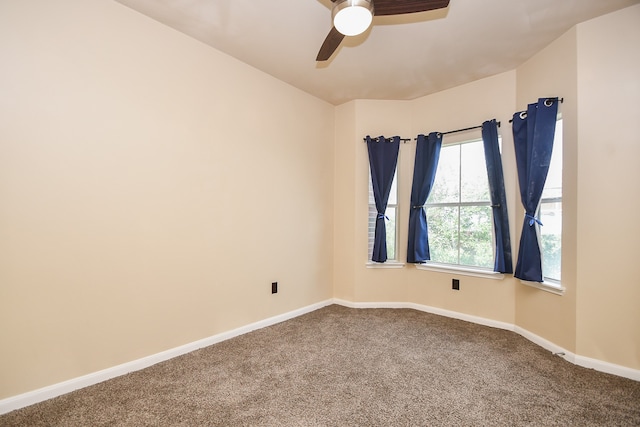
(388, 264)
(546, 286)
(463, 271)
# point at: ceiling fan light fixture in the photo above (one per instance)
(352, 17)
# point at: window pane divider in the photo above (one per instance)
(551, 200)
(456, 204)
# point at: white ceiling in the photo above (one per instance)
(399, 57)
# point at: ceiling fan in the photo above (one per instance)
(353, 17)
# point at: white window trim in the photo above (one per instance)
(460, 270)
(389, 264)
(550, 285)
(554, 288)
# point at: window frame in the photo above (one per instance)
(550, 284)
(550, 201)
(391, 262)
(463, 269)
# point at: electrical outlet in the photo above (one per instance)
(455, 284)
(274, 287)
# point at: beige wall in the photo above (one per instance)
(152, 189)
(608, 313)
(464, 106)
(376, 118)
(552, 72)
(345, 245)
(594, 67)
(457, 108)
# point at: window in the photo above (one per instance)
(391, 214)
(459, 213)
(550, 213)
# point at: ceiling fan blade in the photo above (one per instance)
(399, 7)
(331, 43)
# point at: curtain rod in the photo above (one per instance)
(465, 129)
(462, 130)
(560, 100)
(405, 140)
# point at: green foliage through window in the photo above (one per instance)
(550, 213)
(458, 210)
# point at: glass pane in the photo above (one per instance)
(476, 236)
(474, 183)
(391, 231)
(390, 213)
(393, 195)
(371, 229)
(553, 184)
(551, 239)
(442, 223)
(446, 188)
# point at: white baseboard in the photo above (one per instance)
(428, 309)
(49, 392)
(609, 368)
(585, 362)
(546, 344)
(576, 359)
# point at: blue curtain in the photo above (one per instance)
(383, 158)
(424, 173)
(503, 261)
(533, 132)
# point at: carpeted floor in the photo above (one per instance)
(354, 367)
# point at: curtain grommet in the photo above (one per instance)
(548, 102)
(523, 115)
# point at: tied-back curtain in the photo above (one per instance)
(533, 132)
(424, 172)
(383, 159)
(503, 261)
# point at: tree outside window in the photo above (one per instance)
(459, 213)
(550, 213)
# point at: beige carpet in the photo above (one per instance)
(349, 367)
